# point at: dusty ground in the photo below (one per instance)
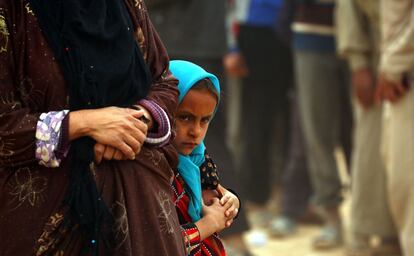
(298, 244)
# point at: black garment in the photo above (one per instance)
(95, 46)
(264, 102)
(209, 174)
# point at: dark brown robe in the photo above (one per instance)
(137, 192)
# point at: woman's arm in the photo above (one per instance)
(119, 128)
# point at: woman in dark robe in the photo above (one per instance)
(82, 85)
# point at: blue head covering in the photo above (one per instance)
(188, 74)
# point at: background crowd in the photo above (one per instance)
(312, 107)
(303, 80)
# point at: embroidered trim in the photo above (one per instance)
(4, 33)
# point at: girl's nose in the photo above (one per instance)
(195, 130)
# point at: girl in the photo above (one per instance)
(204, 207)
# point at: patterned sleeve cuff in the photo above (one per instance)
(161, 135)
(191, 238)
(52, 138)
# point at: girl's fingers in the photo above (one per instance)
(228, 223)
(224, 199)
(230, 203)
(230, 211)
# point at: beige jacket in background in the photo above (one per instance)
(358, 32)
(397, 38)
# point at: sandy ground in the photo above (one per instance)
(299, 244)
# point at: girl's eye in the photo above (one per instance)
(184, 117)
(205, 120)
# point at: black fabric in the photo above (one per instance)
(305, 1)
(208, 173)
(158, 3)
(94, 43)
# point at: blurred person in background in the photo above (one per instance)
(394, 85)
(261, 57)
(195, 30)
(324, 110)
(296, 189)
(358, 30)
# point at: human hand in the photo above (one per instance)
(231, 203)
(208, 196)
(363, 87)
(235, 65)
(389, 90)
(214, 215)
(146, 117)
(107, 153)
(111, 126)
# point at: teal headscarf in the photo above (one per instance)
(188, 74)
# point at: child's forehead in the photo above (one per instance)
(199, 99)
(201, 93)
(204, 87)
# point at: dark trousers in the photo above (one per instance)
(264, 102)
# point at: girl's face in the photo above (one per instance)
(193, 117)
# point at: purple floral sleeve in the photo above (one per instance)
(49, 137)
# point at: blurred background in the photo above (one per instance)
(298, 126)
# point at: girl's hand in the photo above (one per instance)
(231, 203)
(215, 215)
(116, 127)
(209, 195)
